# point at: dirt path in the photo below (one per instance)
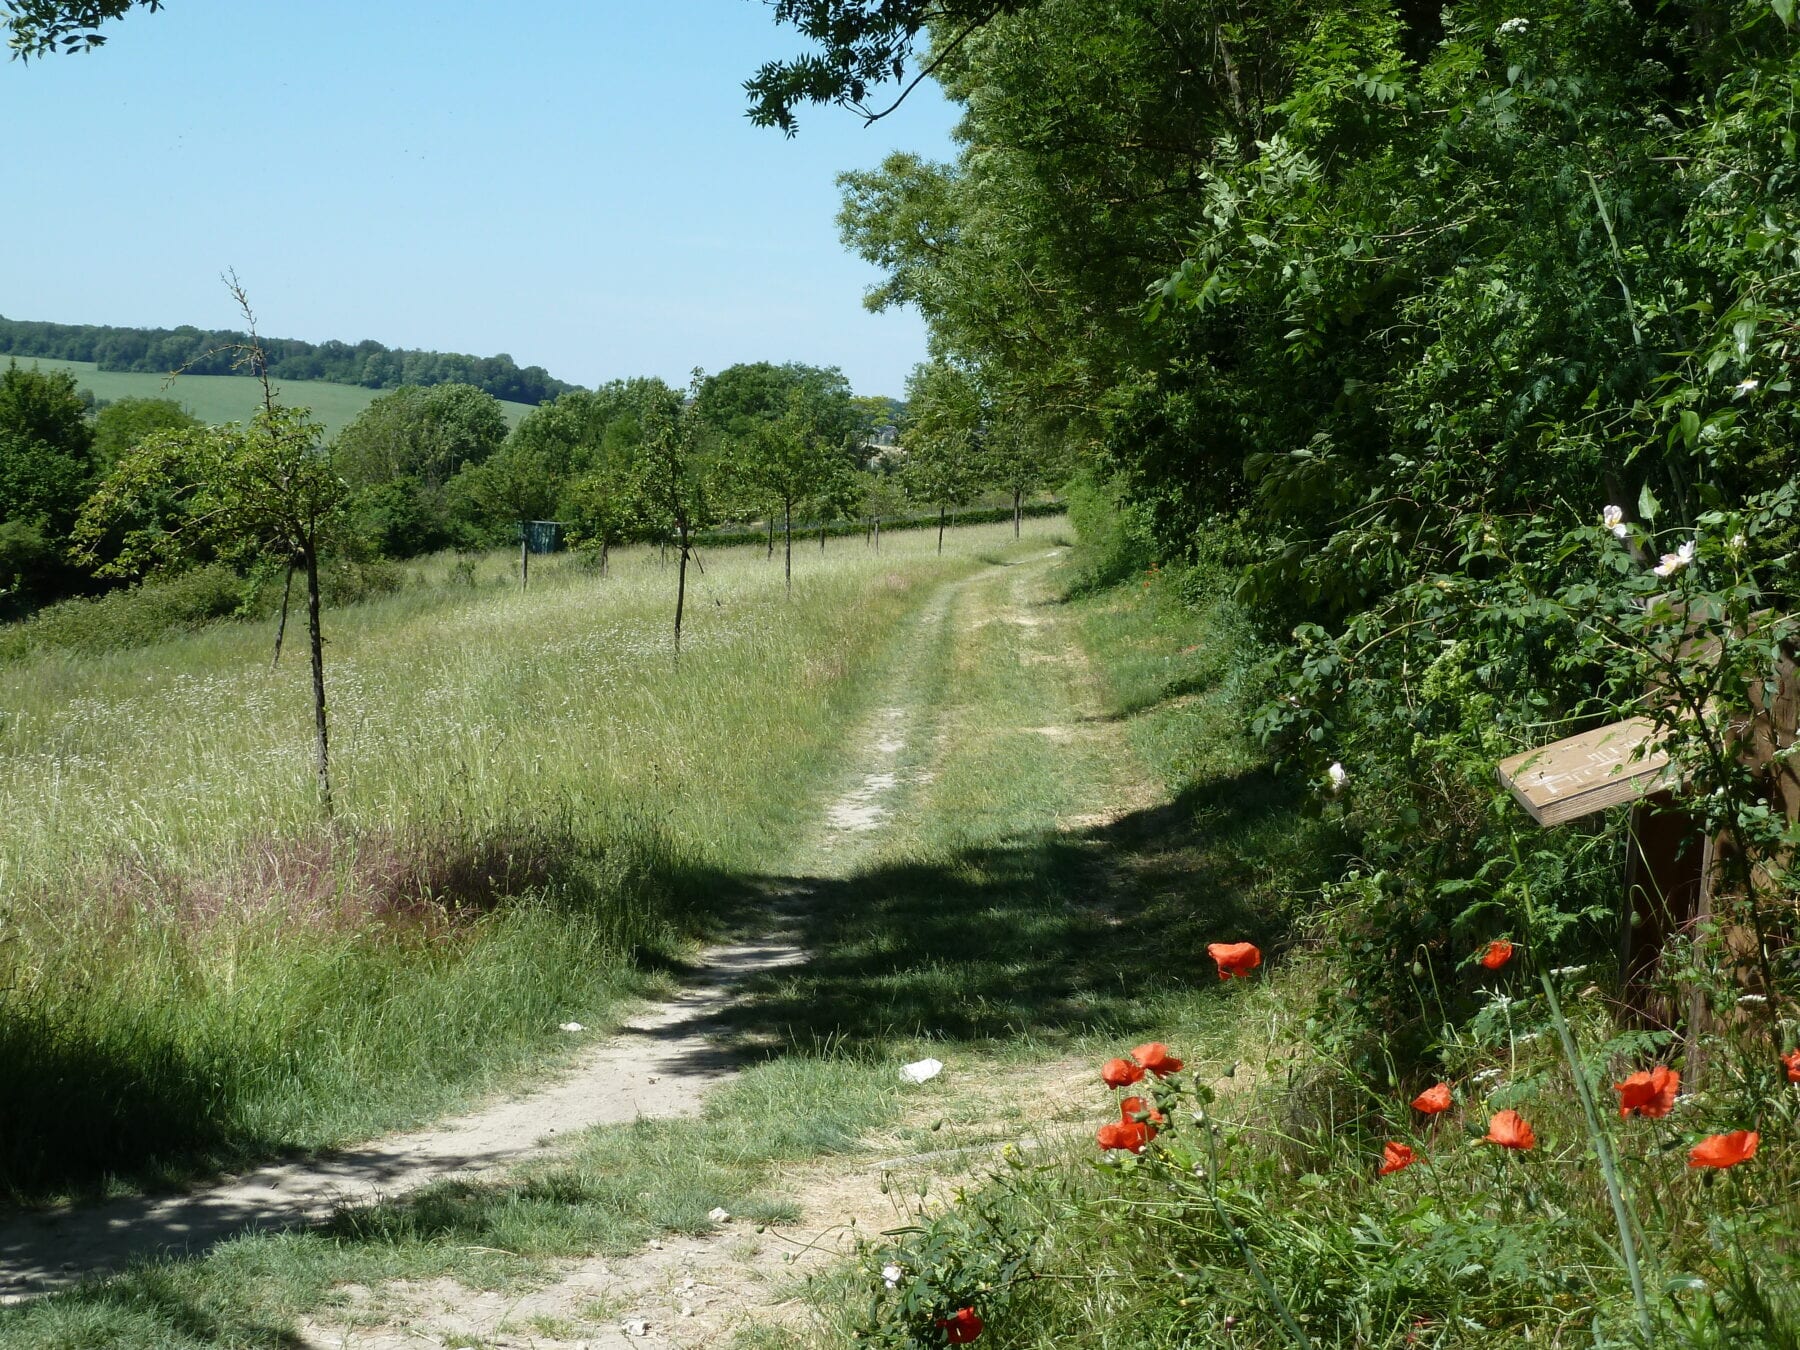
(55, 1249)
(744, 1286)
(689, 1291)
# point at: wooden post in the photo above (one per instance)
(1667, 876)
(1673, 866)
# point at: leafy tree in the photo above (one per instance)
(426, 434)
(38, 27)
(861, 45)
(46, 470)
(401, 452)
(123, 423)
(266, 489)
(943, 438)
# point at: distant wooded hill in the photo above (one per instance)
(158, 351)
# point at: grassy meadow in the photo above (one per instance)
(218, 399)
(539, 809)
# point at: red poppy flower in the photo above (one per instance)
(1155, 1056)
(1117, 1073)
(1134, 1106)
(1130, 1135)
(1497, 954)
(1724, 1150)
(1433, 1100)
(1791, 1060)
(1649, 1094)
(1395, 1157)
(1509, 1130)
(1234, 958)
(961, 1326)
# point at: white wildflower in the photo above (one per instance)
(1336, 776)
(1511, 27)
(921, 1071)
(571, 1026)
(1613, 517)
(1752, 1000)
(1743, 387)
(1568, 972)
(1487, 1076)
(890, 1275)
(1736, 542)
(1673, 562)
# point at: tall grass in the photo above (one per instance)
(539, 809)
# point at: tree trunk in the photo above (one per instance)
(287, 592)
(524, 554)
(771, 536)
(878, 534)
(942, 512)
(1016, 513)
(681, 587)
(321, 733)
(787, 537)
(605, 548)
(821, 536)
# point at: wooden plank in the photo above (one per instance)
(1571, 778)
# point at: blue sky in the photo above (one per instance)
(573, 183)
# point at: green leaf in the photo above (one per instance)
(1690, 425)
(1648, 506)
(1784, 10)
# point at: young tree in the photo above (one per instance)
(1019, 457)
(244, 491)
(943, 438)
(792, 459)
(602, 502)
(675, 480)
(519, 483)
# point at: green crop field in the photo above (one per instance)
(228, 398)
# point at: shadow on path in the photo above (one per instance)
(1043, 936)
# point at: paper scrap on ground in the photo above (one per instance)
(923, 1071)
(573, 1026)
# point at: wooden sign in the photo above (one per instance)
(1568, 779)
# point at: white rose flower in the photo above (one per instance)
(1613, 517)
(890, 1275)
(1673, 562)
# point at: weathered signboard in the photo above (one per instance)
(1571, 778)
